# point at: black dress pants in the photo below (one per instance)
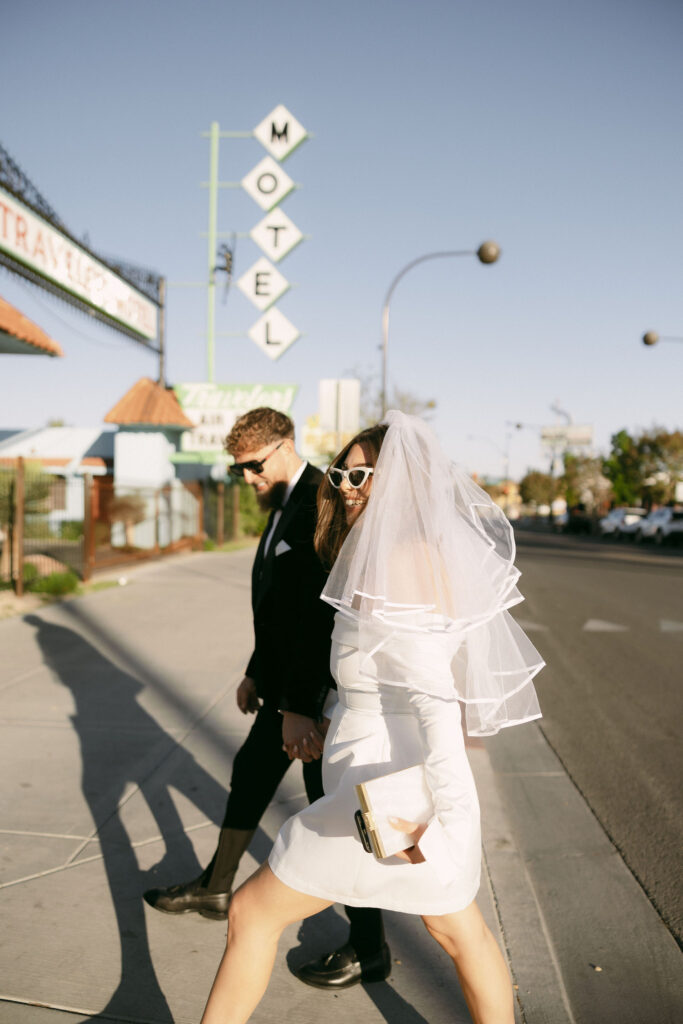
(257, 771)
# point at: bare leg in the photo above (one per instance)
(480, 965)
(259, 912)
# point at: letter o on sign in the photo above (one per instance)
(267, 183)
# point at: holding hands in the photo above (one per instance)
(303, 737)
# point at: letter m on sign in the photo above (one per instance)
(280, 132)
(277, 134)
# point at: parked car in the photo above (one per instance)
(661, 525)
(621, 522)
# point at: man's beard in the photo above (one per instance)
(272, 498)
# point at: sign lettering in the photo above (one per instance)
(267, 183)
(263, 284)
(276, 234)
(280, 132)
(273, 333)
(38, 245)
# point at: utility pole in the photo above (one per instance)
(214, 136)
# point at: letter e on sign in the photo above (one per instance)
(263, 284)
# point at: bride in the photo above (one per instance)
(422, 577)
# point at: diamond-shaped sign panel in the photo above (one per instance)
(280, 132)
(273, 333)
(267, 183)
(276, 234)
(263, 284)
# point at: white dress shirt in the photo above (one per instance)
(276, 518)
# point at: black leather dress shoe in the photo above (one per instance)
(344, 968)
(192, 896)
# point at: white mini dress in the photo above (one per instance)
(376, 729)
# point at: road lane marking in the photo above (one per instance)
(531, 627)
(600, 626)
(670, 626)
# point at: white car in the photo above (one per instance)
(621, 522)
(662, 524)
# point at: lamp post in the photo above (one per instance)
(488, 252)
(651, 338)
(505, 452)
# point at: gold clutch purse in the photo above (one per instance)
(403, 794)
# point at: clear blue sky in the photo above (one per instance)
(554, 128)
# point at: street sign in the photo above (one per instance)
(273, 333)
(276, 234)
(339, 405)
(213, 408)
(280, 132)
(567, 435)
(267, 183)
(263, 284)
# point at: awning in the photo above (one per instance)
(20, 336)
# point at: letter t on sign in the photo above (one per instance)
(276, 234)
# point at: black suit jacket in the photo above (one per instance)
(292, 626)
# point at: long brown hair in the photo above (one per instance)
(332, 528)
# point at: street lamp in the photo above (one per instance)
(488, 252)
(505, 452)
(651, 338)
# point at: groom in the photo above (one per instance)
(285, 685)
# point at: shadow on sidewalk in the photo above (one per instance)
(437, 979)
(122, 750)
(122, 747)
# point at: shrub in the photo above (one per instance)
(252, 519)
(56, 584)
(30, 574)
(71, 529)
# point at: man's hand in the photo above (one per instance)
(302, 737)
(415, 831)
(247, 698)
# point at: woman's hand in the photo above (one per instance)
(415, 831)
(301, 737)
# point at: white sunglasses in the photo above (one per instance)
(355, 477)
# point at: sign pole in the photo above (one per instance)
(211, 286)
(162, 331)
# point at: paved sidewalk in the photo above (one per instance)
(118, 730)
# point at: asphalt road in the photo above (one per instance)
(608, 619)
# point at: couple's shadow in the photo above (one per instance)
(122, 747)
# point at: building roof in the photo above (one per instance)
(66, 450)
(148, 404)
(20, 336)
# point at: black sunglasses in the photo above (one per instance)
(355, 477)
(255, 466)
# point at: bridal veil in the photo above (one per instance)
(427, 572)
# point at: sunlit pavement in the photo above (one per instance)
(118, 730)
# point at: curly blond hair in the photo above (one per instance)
(257, 428)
